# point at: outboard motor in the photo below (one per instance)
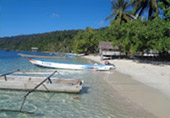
(109, 64)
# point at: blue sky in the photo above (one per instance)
(19, 17)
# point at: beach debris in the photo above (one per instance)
(77, 98)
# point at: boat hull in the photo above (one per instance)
(51, 64)
(28, 83)
(38, 56)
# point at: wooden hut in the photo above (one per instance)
(107, 49)
(34, 49)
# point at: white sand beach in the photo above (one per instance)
(148, 87)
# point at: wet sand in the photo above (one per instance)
(149, 101)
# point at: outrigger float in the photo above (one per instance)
(62, 65)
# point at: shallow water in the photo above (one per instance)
(96, 100)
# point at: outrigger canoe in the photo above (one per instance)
(52, 56)
(62, 65)
(10, 81)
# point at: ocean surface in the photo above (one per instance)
(96, 100)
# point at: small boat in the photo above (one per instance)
(53, 55)
(70, 56)
(53, 84)
(62, 65)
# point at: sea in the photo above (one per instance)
(96, 100)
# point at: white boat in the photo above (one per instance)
(53, 56)
(50, 56)
(62, 65)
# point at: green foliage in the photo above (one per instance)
(85, 41)
(165, 7)
(120, 12)
(52, 41)
(159, 33)
(141, 36)
(130, 36)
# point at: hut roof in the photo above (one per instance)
(107, 46)
(34, 48)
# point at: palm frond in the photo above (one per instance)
(141, 6)
(119, 8)
(112, 15)
(126, 18)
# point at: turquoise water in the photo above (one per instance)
(96, 100)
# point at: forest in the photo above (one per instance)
(60, 41)
(136, 26)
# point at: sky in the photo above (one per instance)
(22, 17)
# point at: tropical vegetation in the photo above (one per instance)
(120, 11)
(60, 41)
(137, 26)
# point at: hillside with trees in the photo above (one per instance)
(52, 41)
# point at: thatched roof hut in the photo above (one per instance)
(34, 49)
(105, 47)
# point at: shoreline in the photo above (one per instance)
(148, 86)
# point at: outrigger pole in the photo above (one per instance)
(41, 83)
(8, 74)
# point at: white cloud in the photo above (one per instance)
(56, 15)
(101, 23)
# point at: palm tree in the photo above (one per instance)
(120, 12)
(145, 6)
(165, 7)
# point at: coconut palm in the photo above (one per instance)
(120, 12)
(149, 7)
(165, 7)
